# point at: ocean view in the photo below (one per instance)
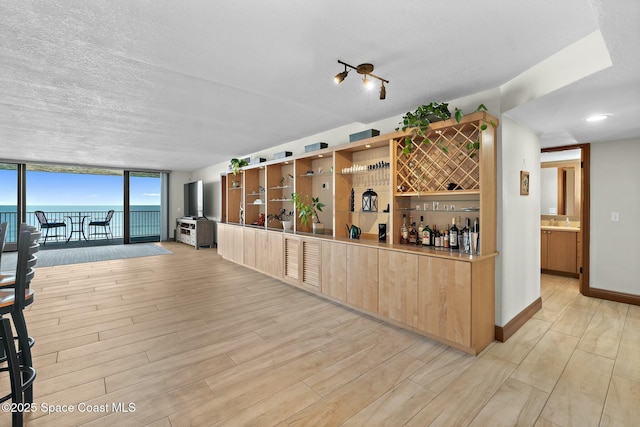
(145, 219)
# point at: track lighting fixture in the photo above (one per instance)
(367, 70)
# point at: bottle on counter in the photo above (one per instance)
(445, 242)
(419, 230)
(438, 239)
(404, 231)
(413, 234)
(464, 245)
(453, 236)
(426, 236)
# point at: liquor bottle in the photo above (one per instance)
(475, 237)
(420, 227)
(453, 236)
(464, 244)
(445, 243)
(433, 236)
(413, 234)
(427, 236)
(404, 231)
(438, 238)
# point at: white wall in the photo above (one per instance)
(518, 262)
(615, 187)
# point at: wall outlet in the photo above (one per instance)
(615, 216)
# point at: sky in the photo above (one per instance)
(49, 188)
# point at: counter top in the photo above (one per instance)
(559, 228)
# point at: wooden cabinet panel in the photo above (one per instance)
(559, 251)
(334, 273)
(444, 299)
(249, 246)
(362, 277)
(234, 240)
(268, 253)
(544, 249)
(222, 233)
(562, 251)
(398, 286)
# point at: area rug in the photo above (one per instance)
(50, 258)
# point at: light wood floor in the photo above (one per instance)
(191, 339)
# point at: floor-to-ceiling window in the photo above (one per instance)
(77, 196)
(9, 201)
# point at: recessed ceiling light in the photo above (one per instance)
(598, 117)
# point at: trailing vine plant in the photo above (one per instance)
(418, 123)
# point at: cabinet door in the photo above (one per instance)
(249, 248)
(544, 249)
(398, 286)
(269, 253)
(223, 248)
(235, 240)
(444, 299)
(362, 277)
(334, 273)
(561, 255)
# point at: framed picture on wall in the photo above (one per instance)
(524, 183)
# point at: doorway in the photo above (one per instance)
(572, 196)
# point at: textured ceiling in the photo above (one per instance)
(174, 85)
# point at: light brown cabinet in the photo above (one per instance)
(446, 296)
(558, 251)
(334, 273)
(268, 253)
(362, 277)
(398, 286)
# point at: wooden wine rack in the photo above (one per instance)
(451, 160)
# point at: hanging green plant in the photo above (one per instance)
(419, 121)
(236, 164)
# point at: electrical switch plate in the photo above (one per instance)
(615, 216)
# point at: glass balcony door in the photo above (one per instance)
(9, 212)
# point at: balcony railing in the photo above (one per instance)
(143, 225)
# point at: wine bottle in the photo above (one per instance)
(438, 238)
(453, 236)
(445, 241)
(464, 245)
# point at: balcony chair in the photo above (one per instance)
(13, 301)
(106, 225)
(46, 225)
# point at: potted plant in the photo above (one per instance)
(236, 164)
(418, 123)
(308, 208)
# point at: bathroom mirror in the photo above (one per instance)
(560, 184)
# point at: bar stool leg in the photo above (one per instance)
(13, 367)
(25, 351)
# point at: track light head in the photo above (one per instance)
(340, 76)
(383, 91)
(368, 83)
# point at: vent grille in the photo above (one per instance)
(311, 263)
(291, 258)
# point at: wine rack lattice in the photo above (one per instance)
(450, 161)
